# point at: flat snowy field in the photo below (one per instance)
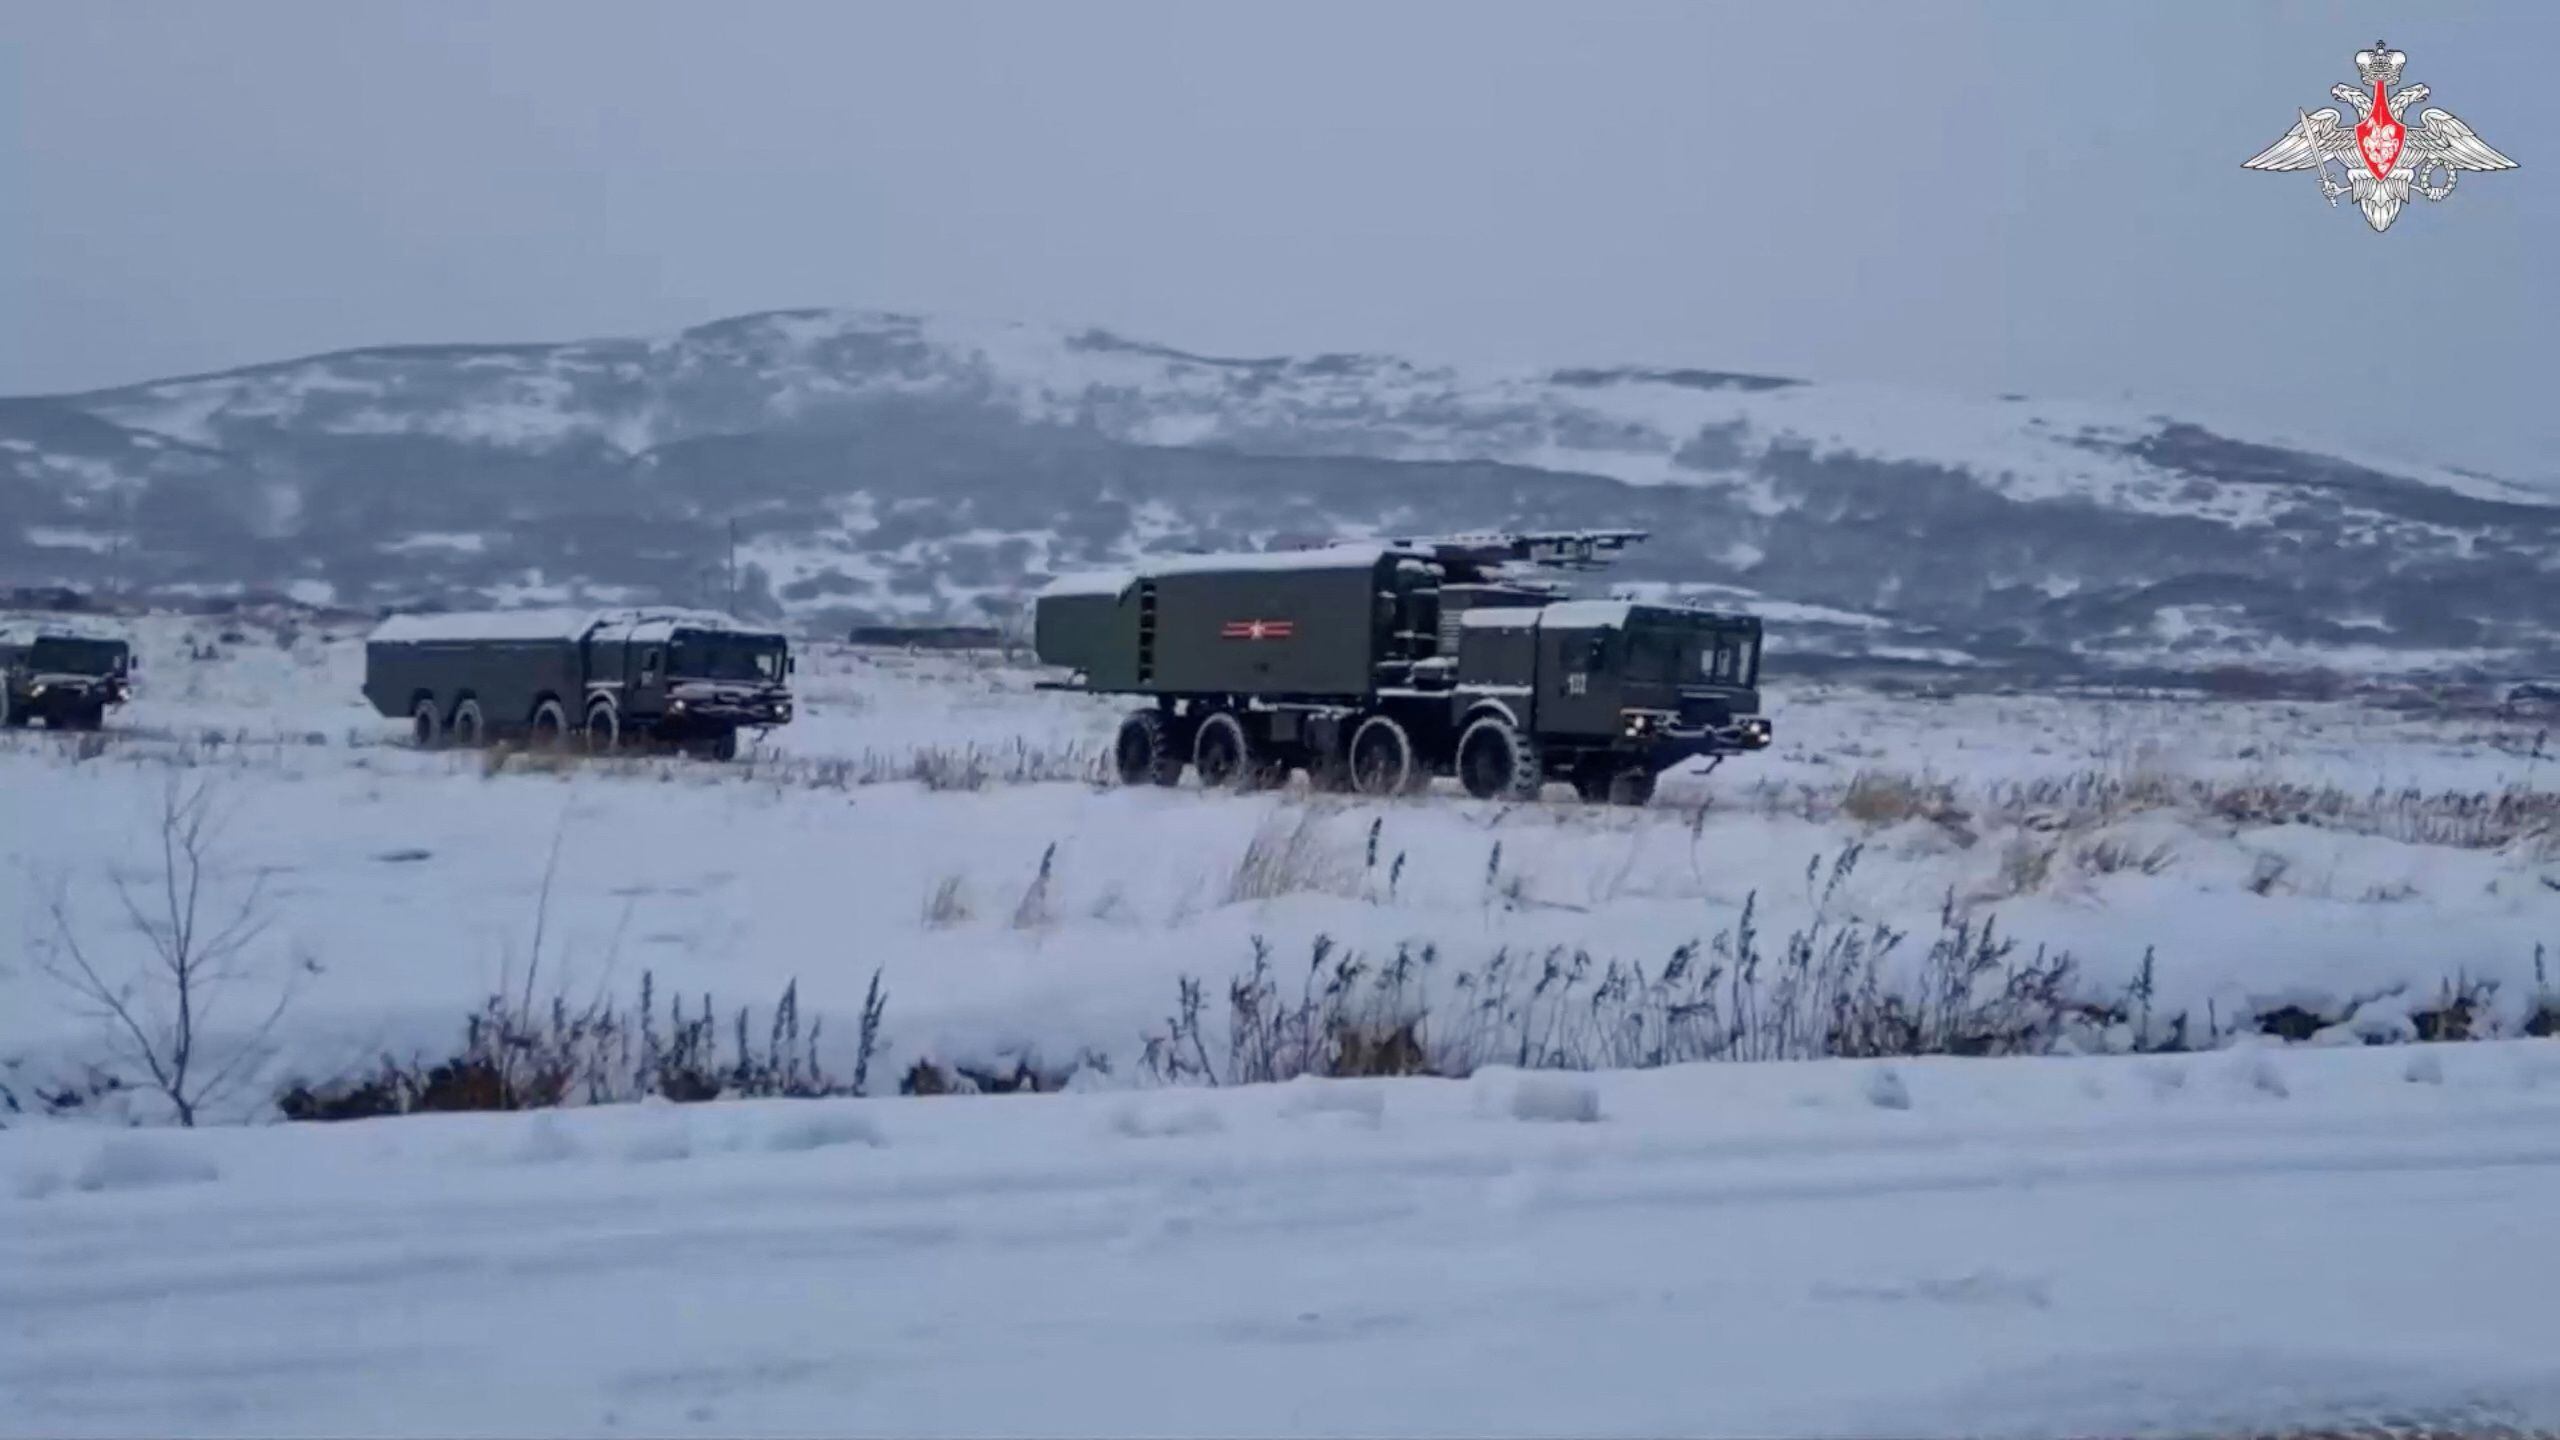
(2258, 1237)
(414, 883)
(2250, 1241)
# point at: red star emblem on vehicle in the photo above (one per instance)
(1258, 629)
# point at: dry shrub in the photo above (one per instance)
(2267, 872)
(1349, 1018)
(2518, 815)
(1291, 854)
(516, 1055)
(1379, 1049)
(1031, 912)
(507, 758)
(1889, 797)
(2026, 864)
(1833, 989)
(949, 903)
(2116, 857)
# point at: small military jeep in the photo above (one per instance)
(66, 679)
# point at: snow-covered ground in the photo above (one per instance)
(2257, 1241)
(413, 884)
(2258, 1237)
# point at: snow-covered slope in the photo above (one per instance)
(894, 466)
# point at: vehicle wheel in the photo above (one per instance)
(88, 717)
(722, 747)
(469, 727)
(1382, 759)
(1604, 781)
(550, 725)
(1329, 773)
(1631, 787)
(426, 724)
(1497, 762)
(1143, 752)
(604, 728)
(12, 716)
(1226, 756)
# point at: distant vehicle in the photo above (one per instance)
(927, 637)
(67, 679)
(1374, 667)
(684, 678)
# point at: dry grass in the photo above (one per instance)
(2117, 857)
(1889, 797)
(949, 904)
(2026, 864)
(1291, 853)
(946, 767)
(519, 1054)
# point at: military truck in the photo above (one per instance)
(1374, 667)
(686, 679)
(63, 677)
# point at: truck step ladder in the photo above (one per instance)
(1146, 632)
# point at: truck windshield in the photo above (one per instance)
(1655, 654)
(1732, 659)
(699, 655)
(69, 655)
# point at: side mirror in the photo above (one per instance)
(790, 664)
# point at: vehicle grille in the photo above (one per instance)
(1698, 709)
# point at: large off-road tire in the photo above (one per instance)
(426, 724)
(1599, 782)
(12, 715)
(89, 716)
(1382, 758)
(603, 733)
(549, 727)
(1227, 758)
(1497, 762)
(722, 747)
(469, 728)
(1144, 752)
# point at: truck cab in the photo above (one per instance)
(689, 681)
(1615, 692)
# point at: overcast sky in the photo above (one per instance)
(2036, 197)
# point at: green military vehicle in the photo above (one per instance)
(1377, 666)
(685, 679)
(66, 679)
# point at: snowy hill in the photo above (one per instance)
(892, 467)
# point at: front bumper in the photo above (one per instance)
(1669, 741)
(751, 709)
(48, 691)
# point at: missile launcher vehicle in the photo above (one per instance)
(1378, 666)
(685, 679)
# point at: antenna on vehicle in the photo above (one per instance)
(1551, 549)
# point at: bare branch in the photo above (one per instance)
(178, 960)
